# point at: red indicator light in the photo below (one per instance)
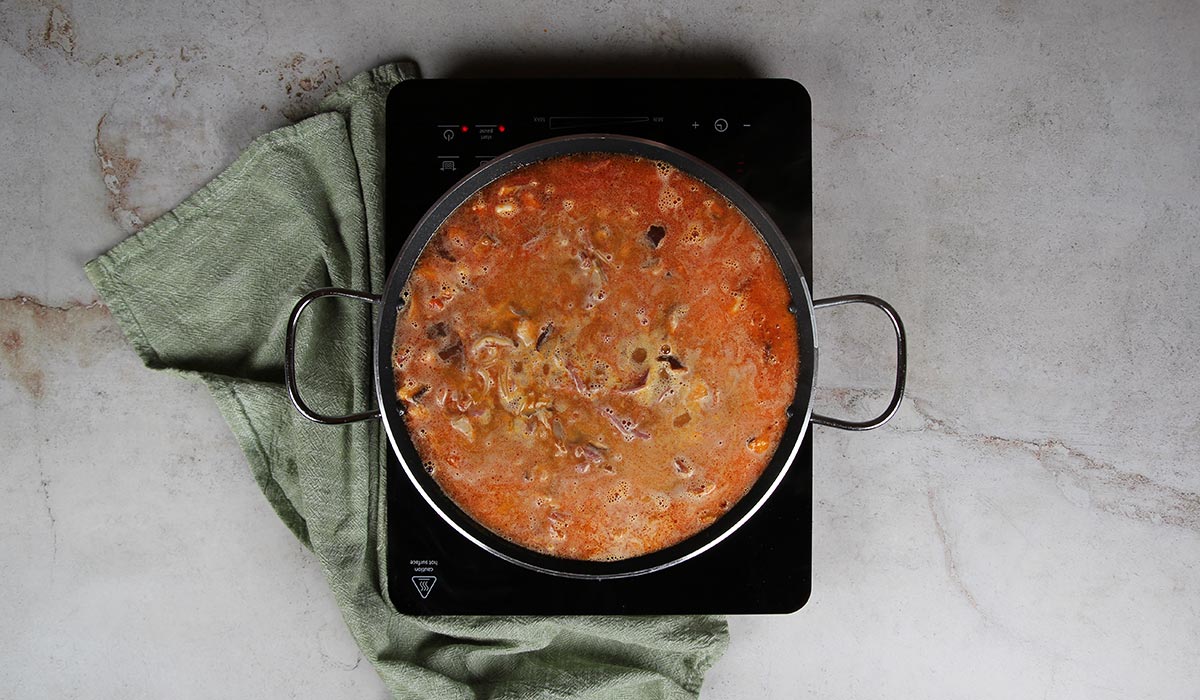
(464, 128)
(501, 128)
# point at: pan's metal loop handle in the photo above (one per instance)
(289, 364)
(901, 362)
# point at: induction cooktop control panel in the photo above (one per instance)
(756, 131)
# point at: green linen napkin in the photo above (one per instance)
(205, 292)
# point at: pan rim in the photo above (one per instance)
(391, 412)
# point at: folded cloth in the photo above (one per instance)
(205, 292)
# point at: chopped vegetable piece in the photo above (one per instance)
(453, 353)
(544, 335)
(672, 362)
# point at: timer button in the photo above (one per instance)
(720, 126)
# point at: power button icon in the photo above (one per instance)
(720, 125)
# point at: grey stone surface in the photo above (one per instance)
(1019, 180)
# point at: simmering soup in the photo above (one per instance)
(595, 356)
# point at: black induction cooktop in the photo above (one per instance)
(758, 132)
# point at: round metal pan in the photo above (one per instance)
(391, 411)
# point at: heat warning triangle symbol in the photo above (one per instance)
(424, 584)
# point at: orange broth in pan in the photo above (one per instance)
(595, 356)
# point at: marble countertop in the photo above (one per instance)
(1020, 181)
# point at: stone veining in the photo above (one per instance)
(117, 169)
(59, 33)
(305, 82)
(844, 134)
(1083, 479)
(29, 329)
(45, 489)
(948, 556)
